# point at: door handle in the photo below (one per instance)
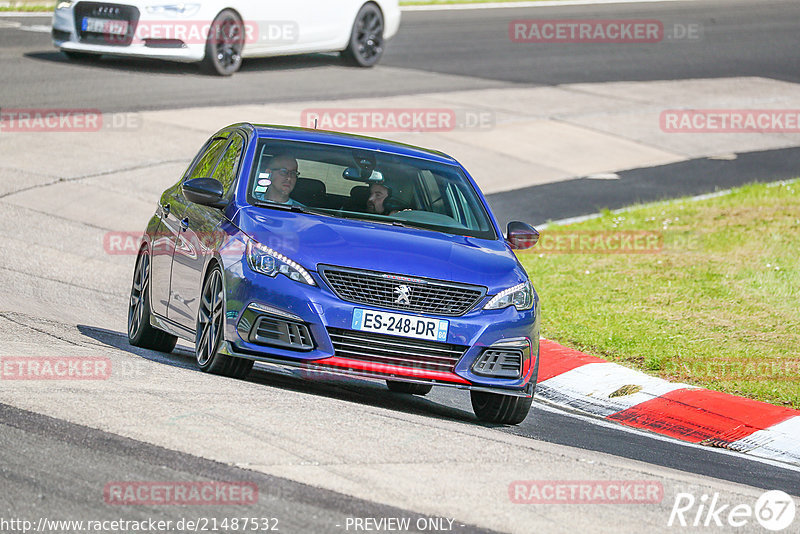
(185, 224)
(165, 211)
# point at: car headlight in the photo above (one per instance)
(270, 262)
(64, 4)
(520, 296)
(178, 9)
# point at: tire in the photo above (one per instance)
(140, 332)
(80, 56)
(210, 325)
(224, 44)
(366, 44)
(500, 409)
(409, 387)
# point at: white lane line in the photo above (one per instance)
(36, 28)
(550, 3)
(26, 14)
(599, 421)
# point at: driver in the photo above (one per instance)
(282, 171)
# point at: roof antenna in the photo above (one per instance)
(315, 124)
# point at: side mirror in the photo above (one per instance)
(205, 191)
(521, 235)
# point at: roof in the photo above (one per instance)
(294, 133)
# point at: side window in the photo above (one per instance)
(228, 166)
(205, 165)
(432, 192)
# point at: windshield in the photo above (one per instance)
(363, 184)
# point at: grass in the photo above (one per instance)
(718, 306)
(31, 8)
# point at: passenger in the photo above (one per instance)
(378, 194)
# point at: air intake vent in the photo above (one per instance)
(281, 333)
(499, 363)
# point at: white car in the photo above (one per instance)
(219, 33)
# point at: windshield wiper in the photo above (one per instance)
(286, 207)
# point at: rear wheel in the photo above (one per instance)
(140, 333)
(224, 44)
(366, 40)
(409, 387)
(210, 324)
(501, 409)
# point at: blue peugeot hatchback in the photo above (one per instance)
(326, 251)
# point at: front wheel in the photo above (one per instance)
(409, 387)
(210, 324)
(366, 40)
(500, 409)
(224, 44)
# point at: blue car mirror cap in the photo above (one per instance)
(205, 191)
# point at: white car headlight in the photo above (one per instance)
(266, 261)
(520, 296)
(173, 10)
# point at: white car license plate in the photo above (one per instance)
(105, 26)
(400, 325)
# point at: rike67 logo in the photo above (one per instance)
(774, 510)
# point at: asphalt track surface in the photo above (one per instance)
(434, 52)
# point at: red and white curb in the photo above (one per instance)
(571, 379)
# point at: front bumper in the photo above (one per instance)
(322, 313)
(66, 38)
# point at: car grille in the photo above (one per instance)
(99, 10)
(400, 292)
(393, 350)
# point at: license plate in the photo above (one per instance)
(105, 26)
(400, 325)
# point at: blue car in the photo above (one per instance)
(345, 254)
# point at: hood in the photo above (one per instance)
(311, 240)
